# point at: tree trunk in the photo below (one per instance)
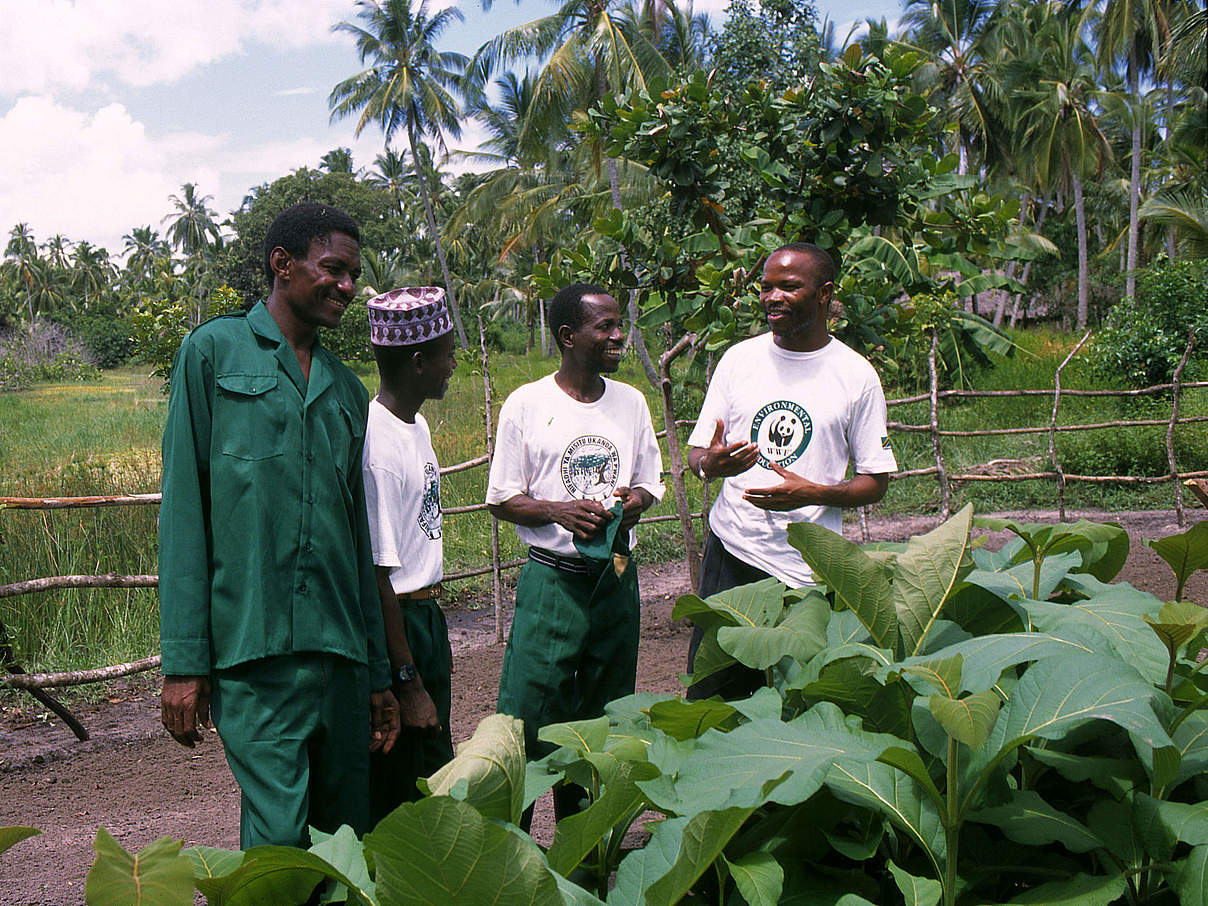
(1083, 267)
(440, 249)
(1134, 189)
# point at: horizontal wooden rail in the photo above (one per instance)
(987, 432)
(68, 503)
(110, 580)
(971, 394)
(79, 677)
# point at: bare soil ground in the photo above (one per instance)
(133, 779)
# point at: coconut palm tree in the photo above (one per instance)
(1135, 31)
(959, 38)
(193, 229)
(392, 173)
(1060, 133)
(142, 246)
(91, 270)
(337, 160)
(1185, 211)
(22, 251)
(408, 85)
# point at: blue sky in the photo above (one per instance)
(108, 106)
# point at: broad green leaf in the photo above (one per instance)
(577, 835)
(1192, 879)
(1103, 545)
(157, 875)
(757, 604)
(346, 854)
(441, 851)
(1015, 582)
(981, 612)
(728, 769)
(763, 704)
(491, 768)
(943, 674)
(10, 836)
(857, 580)
(580, 736)
(848, 682)
(1080, 890)
(1118, 616)
(891, 793)
(1111, 822)
(758, 877)
(1058, 694)
(277, 876)
(800, 635)
(916, 891)
(688, 720)
(806, 886)
(209, 862)
(1178, 623)
(1186, 552)
(1191, 740)
(1117, 776)
(969, 719)
(983, 659)
(679, 852)
(925, 573)
(1028, 819)
(1163, 824)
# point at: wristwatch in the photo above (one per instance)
(406, 673)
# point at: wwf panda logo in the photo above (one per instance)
(781, 431)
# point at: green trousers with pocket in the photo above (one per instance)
(574, 640)
(418, 753)
(296, 733)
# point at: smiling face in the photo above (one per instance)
(316, 290)
(793, 302)
(599, 341)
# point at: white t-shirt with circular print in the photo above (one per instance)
(812, 413)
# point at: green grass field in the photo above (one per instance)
(103, 438)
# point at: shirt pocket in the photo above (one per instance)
(249, 421)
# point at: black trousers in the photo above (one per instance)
(721, 570)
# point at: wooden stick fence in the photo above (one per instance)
(35, 683)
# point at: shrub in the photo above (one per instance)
(506, 335)
(47, 353)
(108, 338)
(1142, 343)
(161, 322)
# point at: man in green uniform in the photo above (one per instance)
(575, 465)
(270, 616)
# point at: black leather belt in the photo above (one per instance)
(559, 561)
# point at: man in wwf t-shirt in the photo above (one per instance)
(785, 414)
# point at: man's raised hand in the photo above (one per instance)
(722, 460)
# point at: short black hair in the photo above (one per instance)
(391, 358)
(824, 264)
(566, 308)
(297, 227)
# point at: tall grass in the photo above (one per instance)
(68, 440)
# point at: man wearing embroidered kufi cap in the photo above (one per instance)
(411, 333)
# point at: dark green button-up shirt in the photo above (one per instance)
(263, 541)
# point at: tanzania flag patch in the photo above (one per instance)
(885, 442)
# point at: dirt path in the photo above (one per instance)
(141, 786)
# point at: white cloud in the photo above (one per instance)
(90, 175)
(73, 44)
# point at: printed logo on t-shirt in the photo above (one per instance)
(781, 430)
(429, 508)
(589, 467)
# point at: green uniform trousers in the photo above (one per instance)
(417, 753)
(574, 640)
(296, 733)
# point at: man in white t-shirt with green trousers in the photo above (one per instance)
(784, 415)
(412, 338)
(575, 465)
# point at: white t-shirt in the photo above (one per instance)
(402, 499)
(809, 412)
(553, 447)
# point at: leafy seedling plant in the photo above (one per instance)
(941, 724)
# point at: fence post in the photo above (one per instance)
(1174, 418)
(945, 500)
(1053, 428)
(496, 576)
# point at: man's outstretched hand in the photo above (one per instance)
(185, 708)
(722, 460)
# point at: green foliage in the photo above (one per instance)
(47, 352)
(107, 338)
(1142, 342)
(12, 835)
(161, 322)
(961, 725)
(1185, 553)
